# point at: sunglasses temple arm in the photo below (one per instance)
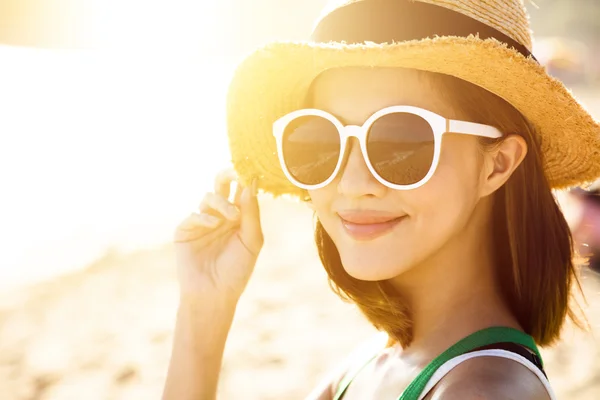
(472, 128)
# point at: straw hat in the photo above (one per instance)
(487, 43)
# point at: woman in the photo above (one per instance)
(428, 155)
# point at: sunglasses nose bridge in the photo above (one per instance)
(347, 133)
(352, 131)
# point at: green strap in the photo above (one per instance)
(480, 338)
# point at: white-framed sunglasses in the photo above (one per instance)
(401, 145)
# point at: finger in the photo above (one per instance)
(195, 220)
(204, 237)
(196, 226)
(237, 198)
(223, 181)
(250, 230)
(217, 205)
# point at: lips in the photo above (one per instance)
(368, 225)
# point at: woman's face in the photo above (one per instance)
(354, 208)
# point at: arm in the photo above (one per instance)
(200, 334)
(215, 252)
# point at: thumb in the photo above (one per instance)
(250, 229)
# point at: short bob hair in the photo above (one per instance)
(534, 253)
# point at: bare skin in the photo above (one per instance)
(440, 259)
(216, 250)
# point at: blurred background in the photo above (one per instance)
(112, 128)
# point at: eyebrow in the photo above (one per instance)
(341, 119)
(345, 121)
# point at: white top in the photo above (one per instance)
(450, 364)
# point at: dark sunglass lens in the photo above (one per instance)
(311, 149)
(401, 148)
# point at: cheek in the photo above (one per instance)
(442, 207)
(438, 212)
(321, 203)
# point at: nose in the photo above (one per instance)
(356, 180)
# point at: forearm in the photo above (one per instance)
(200, 334)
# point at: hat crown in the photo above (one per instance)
(507, 16)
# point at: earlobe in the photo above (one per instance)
(504, 160)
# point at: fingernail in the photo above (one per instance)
(254, 186)
(246, 193)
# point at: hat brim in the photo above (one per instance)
(275, 80)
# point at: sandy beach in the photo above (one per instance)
(105, 332)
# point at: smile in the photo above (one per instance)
(368, 226)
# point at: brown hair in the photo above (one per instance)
(526, 220)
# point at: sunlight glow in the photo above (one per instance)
(108, 146)
(150, 24)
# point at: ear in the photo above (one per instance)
(501, 161)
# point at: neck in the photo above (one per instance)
(453, 294)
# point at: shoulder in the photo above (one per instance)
(490, 378)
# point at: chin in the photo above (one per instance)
(372, 267)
